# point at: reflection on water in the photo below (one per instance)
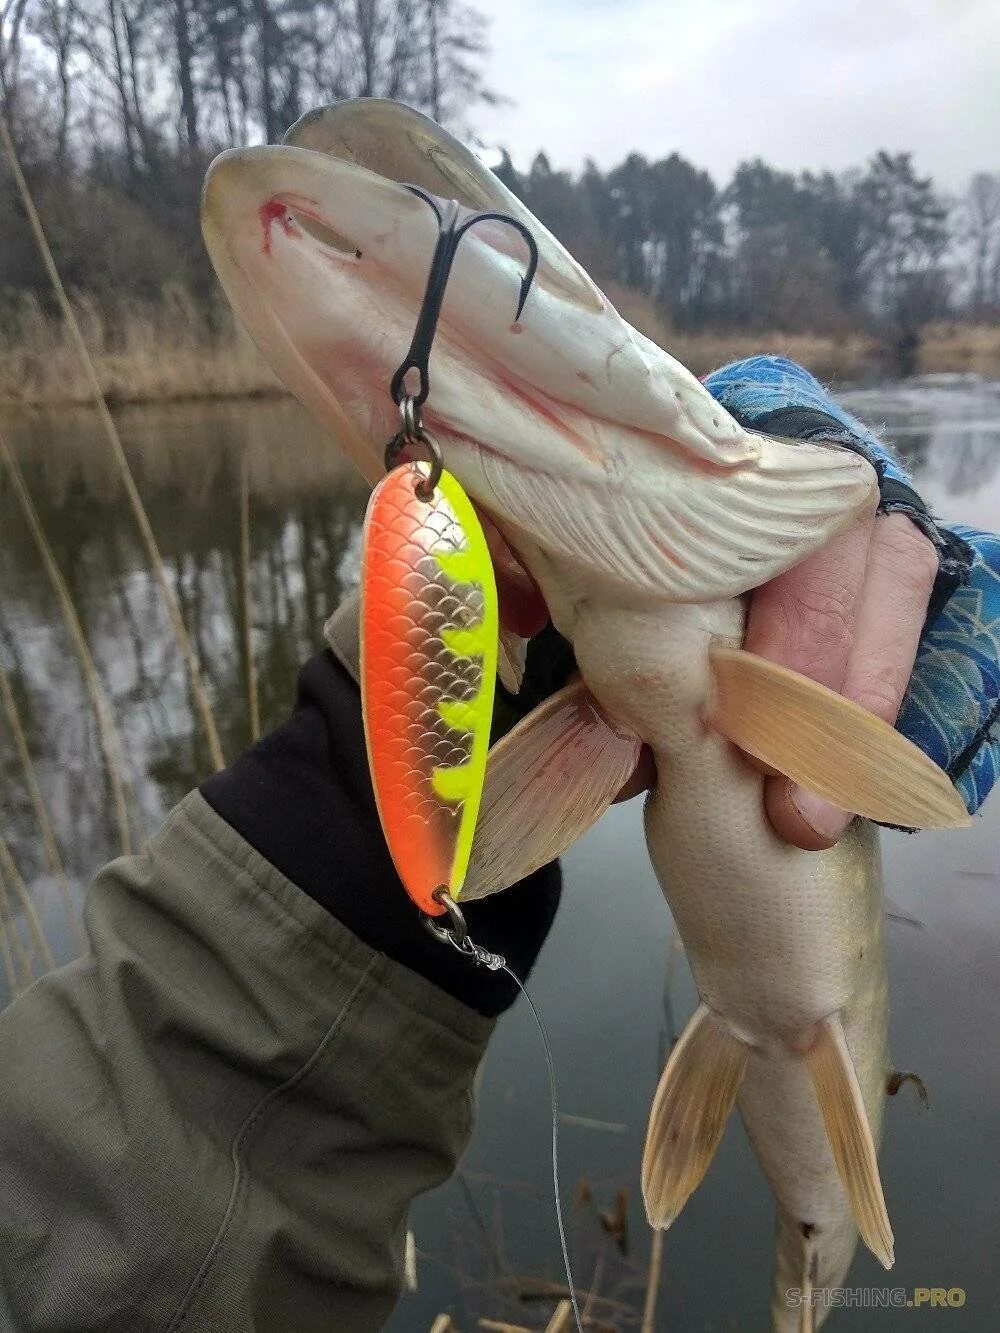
(600, 981)
(305, 508)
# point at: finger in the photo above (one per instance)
(891, 609)
(902, 569)
(805, 620)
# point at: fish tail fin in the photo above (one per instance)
(692, 1103)
(850, 1136)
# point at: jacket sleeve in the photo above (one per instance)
(218, 1118)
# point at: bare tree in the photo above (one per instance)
(56, 23)
(978, 232)
(12, 17)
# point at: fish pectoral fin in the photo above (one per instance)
(547, 781)
(827, 743)
(850, 1136)
(695, 1095)
(512, 655)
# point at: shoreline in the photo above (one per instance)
(36, 377)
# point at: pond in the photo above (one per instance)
(610, 984)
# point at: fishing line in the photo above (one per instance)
(412, 434)
(459, 939)
(554, 1102)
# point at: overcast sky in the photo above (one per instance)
(802, 83)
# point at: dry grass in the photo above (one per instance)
(961, 347)
(826, 355)
(836, 356)
(155, 351)
(174, 349)
(832, 356)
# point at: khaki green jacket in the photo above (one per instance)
(215, 1122)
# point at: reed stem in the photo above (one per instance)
(9, 868)
(246, 601)
(53, 860)
(9, 970)
(653, 1283)
(21, 956)
(118, 453)
(102, 709)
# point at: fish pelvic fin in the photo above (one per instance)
(692, 1103)
(850, 1136)
(827, 743)
(547, 781)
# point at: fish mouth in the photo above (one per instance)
(588, 449)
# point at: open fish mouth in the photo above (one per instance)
(579, 437)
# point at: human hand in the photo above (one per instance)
(893, 590)
(852, 616)
(849, 617)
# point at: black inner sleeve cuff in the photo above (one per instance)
(303, 798)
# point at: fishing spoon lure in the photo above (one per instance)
(430, 629)
(429, 633)
(429, 622)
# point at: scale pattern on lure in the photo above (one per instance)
(428, 668)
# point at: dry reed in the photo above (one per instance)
(960, 348)
(653, 1282)
(246, 601)
(106, 730)
(114, 441)
(172, 349)
(14, 945)
(8, 867)
(53, 860)
(7, 963)
(142, 351)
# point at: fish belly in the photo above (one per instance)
(778, 939)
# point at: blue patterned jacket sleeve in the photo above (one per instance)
(952, 706)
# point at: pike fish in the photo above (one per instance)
(644, 513)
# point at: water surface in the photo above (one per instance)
(601, 978)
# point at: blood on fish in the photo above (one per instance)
(271, 212)
(275, 210)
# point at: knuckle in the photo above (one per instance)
(907, 553)
(883, 692)
(821, 616)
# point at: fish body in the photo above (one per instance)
(643, 512)
(778, 940)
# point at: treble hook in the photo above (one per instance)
(449, 238)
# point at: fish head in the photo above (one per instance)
(602, 460)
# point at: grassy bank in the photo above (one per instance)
(144, 352)
(173, 349)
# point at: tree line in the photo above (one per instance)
(117, 106)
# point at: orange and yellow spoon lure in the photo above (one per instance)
(429, 632)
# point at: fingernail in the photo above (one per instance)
(825, 820)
